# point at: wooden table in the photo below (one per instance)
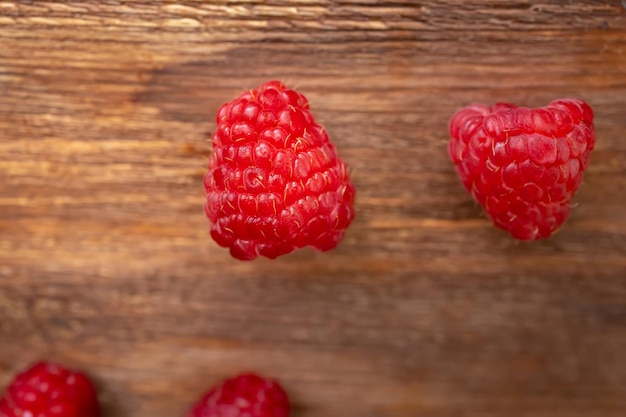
(425, 309)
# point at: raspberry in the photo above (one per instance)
(246, 395)
(523, 165)
(275, 182)
(49, 390)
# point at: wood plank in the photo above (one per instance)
(425, 309)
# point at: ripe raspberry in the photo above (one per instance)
(523, 165)
(274, 181)
(49, 390)
(246, 395)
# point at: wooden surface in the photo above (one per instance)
(424, 310)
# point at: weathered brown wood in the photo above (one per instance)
(424, 310)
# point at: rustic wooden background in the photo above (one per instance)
(424, 310)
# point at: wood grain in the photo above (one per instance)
(424, 310)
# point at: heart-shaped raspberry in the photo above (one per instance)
(523, 165)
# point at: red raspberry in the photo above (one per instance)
(275, 182)
(49, 390)
(523, 165)
(246, 395)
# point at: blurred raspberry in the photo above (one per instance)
(49, 390)
(246, 395)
